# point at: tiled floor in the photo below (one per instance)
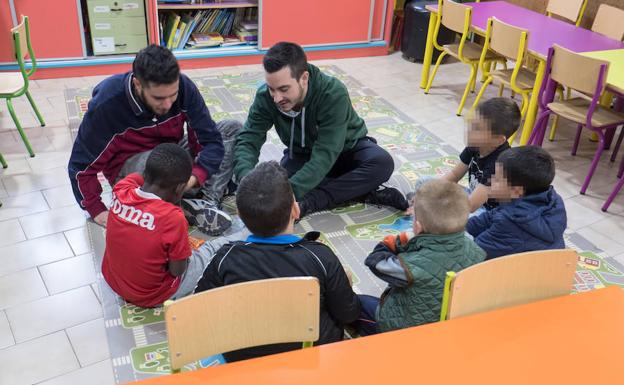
(51, 330)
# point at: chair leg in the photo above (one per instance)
(553, 128)
(594, 164)
(501, 88)
(34, 107)
(523, 109)
(471, 82)
(435, 70)
(613, 194)
(539, 128)
(577, 139)
(3, 162)
(481, 92)
(19, 128)
(617, 145)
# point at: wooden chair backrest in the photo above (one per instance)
(454, 16)
(609, 21)
(242, 315)
(21, 33)
(575, 70)
(506, 39)
(568, 9)
(512, 280)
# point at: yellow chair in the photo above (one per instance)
(457, 17)
(508, 281)
(15, 84)
(240, 316)
(510, 42)
(571, 10)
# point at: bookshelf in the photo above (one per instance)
(232, 4)
(198, 25)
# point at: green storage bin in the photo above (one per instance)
(118, 26)
(120, 44)
(103, 9)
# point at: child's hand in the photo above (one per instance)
(349, 276)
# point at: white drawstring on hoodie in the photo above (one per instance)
(293, 114)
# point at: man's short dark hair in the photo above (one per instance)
(264, 199)
(157, 65)
(501, 114)
(285, 54)
(168, 166)
(529, 167)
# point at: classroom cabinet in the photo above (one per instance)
(321, 22)
(55, 28)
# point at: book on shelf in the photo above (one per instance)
(192, 29)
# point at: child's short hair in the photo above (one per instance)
(264, 199)
(502, 115)
(168, 166)
(529, 167)
(441, 207)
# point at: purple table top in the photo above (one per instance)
(543, 30)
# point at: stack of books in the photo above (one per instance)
(208, 28)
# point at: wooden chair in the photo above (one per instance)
(609, 21)
(508, 281)
(243, 315)
(510, 42)
(571, 10)
(587, 76)
(15, 84)
(457, 17)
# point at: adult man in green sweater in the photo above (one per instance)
(329, 158)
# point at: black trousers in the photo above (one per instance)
(355, 173)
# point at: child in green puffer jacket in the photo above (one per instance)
(415, 265)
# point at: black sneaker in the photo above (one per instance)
(387, 196)
(208, 219)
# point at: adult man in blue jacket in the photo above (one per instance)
(132, 113)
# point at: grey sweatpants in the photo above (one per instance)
(215, 186)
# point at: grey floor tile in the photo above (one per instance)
(100, 373)
(50, 314)
(68, 274)
(89, 342)
(21, 287)
(30, 253)
(37, 360)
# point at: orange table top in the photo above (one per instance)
(574, 339)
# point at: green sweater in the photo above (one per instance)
(331, 126)
(425, 260)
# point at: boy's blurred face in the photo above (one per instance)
(479, 135)
(500, 189)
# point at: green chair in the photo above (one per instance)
(15, 84)
(2, 161)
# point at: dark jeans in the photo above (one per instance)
(214, 187)
(366, 323)
(355, 173)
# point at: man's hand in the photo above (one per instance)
(102, 218)
(192, 183)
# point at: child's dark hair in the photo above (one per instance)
(529, 167)
(502, 115)
(264, 199)
(168, 166)
(285, 54)
(157, 65)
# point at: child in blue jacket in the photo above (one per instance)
(531, 215)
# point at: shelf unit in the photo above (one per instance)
(232, 4)
(226, 4)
